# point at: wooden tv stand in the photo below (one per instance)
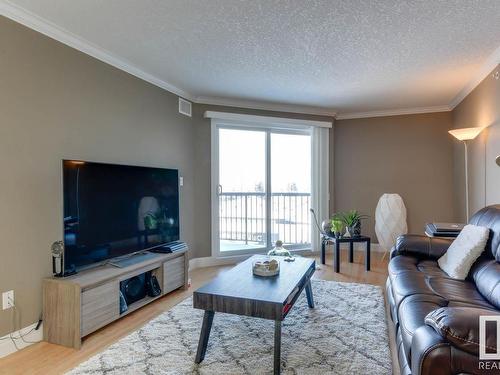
(78, 305)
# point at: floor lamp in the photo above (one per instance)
(464, 135)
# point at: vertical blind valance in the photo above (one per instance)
(265, 121)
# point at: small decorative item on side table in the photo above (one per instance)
(337, 228)
(352, 221)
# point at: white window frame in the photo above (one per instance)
(319, 171)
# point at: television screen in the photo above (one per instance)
(112, 210)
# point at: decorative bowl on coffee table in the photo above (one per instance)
(265, 266)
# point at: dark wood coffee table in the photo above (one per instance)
(239, 292)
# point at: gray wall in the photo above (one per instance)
(58, 103)
(480, 108)
(410, 155)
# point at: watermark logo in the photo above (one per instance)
(484, 353)
(489, 357)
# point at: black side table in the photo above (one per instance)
(325, 240)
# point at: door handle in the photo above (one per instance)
(219, 189)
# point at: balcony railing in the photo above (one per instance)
(242, 217)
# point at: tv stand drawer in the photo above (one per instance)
(100, 306)
(173, 274)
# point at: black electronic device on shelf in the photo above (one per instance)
(171, 247)
(138, 287)
(443, 229)
(134, 289)
(152, 286)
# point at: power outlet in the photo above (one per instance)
(8, 299)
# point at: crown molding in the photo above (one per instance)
(491, 63)
(53, 31)
(393, 112)
(265, 106)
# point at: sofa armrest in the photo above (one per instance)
(460, 327)
(421, 246)
(430, 353)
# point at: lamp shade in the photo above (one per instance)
(390, 220)
(465, 134)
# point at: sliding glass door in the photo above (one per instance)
(263, 190)
(291, 189)
(242, 190)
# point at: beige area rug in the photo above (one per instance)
(346, 333)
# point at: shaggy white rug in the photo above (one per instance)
(345, 333)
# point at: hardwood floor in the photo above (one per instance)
(45, 358)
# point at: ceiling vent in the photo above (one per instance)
(185, 107)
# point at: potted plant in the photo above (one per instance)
(352, 221)
(337, 227)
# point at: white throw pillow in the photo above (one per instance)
(464, 251)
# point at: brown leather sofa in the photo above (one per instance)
(436, 318)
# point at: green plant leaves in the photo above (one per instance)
(349, 218)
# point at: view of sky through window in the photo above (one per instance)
(242, 161)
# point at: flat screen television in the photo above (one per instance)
(112, 210)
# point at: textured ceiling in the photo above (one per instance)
(347, 56)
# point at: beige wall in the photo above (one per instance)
(409, 155)
(58, 103)
(480, 108)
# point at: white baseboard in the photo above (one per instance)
(221, 261)
(213, 261)
(7, 346)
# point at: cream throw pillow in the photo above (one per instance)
(464, 251)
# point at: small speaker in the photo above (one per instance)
(134, 289)
(123, 303)
(138, 287)
(185, 107)
(152, 286)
